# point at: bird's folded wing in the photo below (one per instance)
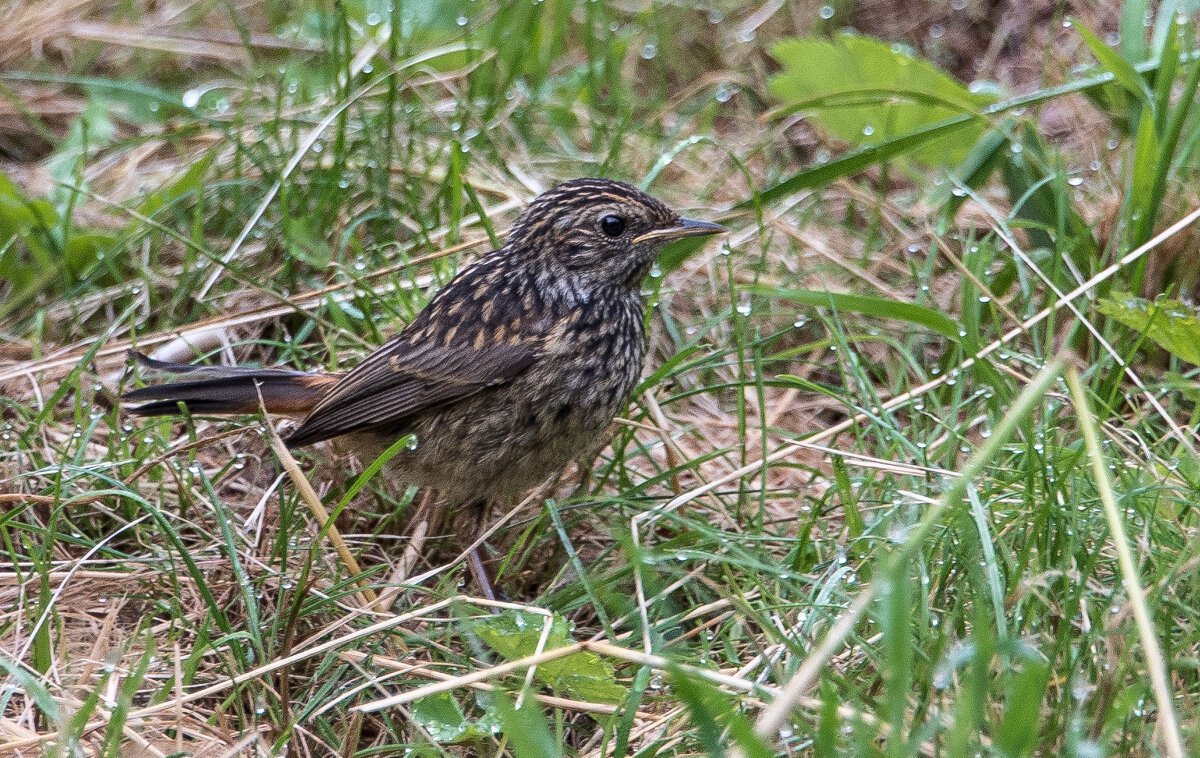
(403, 379)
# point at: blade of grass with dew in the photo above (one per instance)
(776, 714)
(1155, 662)
(870, 305)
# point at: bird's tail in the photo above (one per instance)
(224, 390)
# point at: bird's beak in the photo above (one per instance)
(687, 227)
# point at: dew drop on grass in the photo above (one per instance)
(461, 21)
(868, 130)
(715, 16)
(826, 12)
(744, 308)
(1075, 181)
(649, 50)
(936, 31)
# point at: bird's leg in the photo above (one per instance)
(476, 511)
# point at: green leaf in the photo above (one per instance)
(1172, 325)
(871, 305)
(1145, 170)
(527, 731)
(674, 254)
(192, 180)
(583, 675)
(712, 712)
(866, 91)
(1016, 735)
(1125, 74)
(302, 243)
(441, 716)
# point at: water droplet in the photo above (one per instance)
(461, 21)
(1075, 181)
(826, 12)
(936, 31)
(649, 50)
(715, 16)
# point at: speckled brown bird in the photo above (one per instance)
(514, 369)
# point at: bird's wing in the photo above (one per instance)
(404, 378)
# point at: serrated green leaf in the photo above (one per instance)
(863, 91)
(1170, 324)
(584, 675)
(441, 716)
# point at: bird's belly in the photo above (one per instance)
(470, 450)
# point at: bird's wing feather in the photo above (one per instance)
(405, 378)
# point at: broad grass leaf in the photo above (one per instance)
(528, 733)
(1171, 325)
(190, 182)
(1123, 72)
(871, 305)
(714, 714)
(863, 90)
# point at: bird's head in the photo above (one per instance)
(603, 231)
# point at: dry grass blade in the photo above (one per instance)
(1155, 662)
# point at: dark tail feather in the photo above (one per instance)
(229, 390)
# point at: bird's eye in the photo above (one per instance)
(612, 225)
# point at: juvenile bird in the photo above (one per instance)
(514, 369)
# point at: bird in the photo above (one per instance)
(513, 370)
